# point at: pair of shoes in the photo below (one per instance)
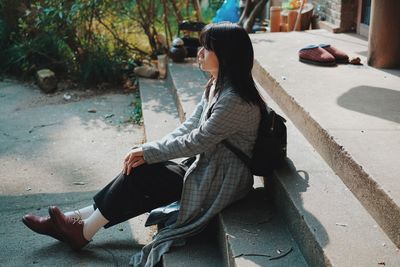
(322, 55)
(70, 228)
(42, 225)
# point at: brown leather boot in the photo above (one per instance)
(42, 225)
(70, 228)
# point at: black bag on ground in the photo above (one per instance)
(163, 216)
(270, 147)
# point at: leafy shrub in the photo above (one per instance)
(90, 39)
(99, 66)
(4, 33)
(43, 51)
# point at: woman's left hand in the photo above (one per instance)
(133, 159)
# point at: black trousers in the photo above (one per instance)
(147, 187)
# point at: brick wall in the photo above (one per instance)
(330, 9)
(341, 13)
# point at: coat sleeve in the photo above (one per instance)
(228, 114)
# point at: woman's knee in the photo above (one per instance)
(140, 170)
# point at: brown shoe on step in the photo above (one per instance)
(70, 228)
(42, 225)
(340, 56)
(314, 54)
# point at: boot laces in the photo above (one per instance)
(77, 218)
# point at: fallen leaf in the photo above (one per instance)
(92, 110)
(79, 183)
(248, 231)
(67, 96)
(231, 236)
(355, 61)
(107, 116)
(265, 221)
(251, 254)
(281, 254)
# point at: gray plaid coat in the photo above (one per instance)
(216, 178)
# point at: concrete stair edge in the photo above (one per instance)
(383, 209)
(159, 115)
(174, 92)
(253, 233)
(190, 86)
(199, 251)
(323, 236)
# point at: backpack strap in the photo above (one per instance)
(239, 153)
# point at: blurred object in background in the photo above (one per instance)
(190, 31)
(229, 11)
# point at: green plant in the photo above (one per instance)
(4, 33)
(98, 66)
(43, 51)
(90, 39)
(136, 113)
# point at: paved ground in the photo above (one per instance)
(54, 151)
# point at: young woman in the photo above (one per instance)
(215, 178)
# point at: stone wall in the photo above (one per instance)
(330, 10)
(340, 13)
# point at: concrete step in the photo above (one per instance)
(330, 225)
(251, 232)
(349, 114)
(160, 115)
(328, 222)
(199, 251)
(187, 82)
(160, 118)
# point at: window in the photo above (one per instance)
(363, 17)
(366, 12)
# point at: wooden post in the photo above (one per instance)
(384, 34)
(296, 26)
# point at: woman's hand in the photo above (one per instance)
(133, 159)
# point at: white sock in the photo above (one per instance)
(93, 224)
(83, 213)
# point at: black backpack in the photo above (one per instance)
(270, 148)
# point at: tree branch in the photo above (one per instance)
(123, 42)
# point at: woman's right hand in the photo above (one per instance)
(133, 159)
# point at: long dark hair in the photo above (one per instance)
(233, 48)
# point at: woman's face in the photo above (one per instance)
(208, 61)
